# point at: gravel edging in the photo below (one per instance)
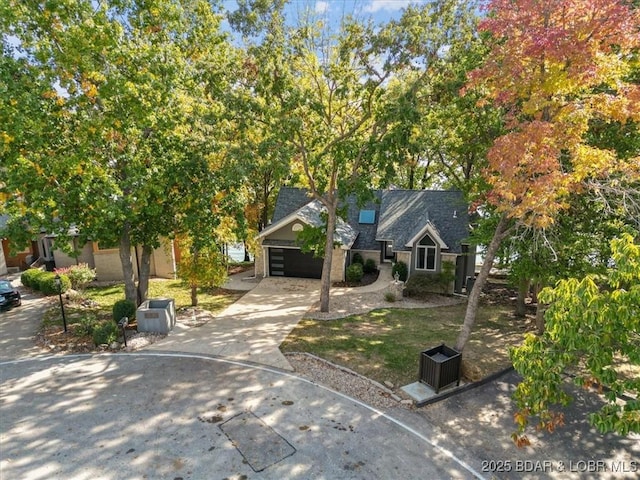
(346, 381)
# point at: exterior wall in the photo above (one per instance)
(63, 260)
(366, 254)
(108, 266)
(404, 257)
(164, 260)
(259, 265)
(3, 263)
(285, 233)
(338, 260)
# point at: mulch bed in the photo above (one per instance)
(367, 279)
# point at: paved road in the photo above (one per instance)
(155, 415)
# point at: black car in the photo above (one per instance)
(9, 296)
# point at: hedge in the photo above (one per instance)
(44, 282)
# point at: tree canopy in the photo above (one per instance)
(126, 91)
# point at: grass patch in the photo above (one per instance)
(213, 300)
(208, 299)
(385, 344)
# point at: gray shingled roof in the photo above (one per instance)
(289, 200)
(400, 216)
(404, 213)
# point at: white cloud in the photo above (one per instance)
(390, 5)
(322, 7)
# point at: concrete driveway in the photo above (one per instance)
(253, 327)
(18, 326)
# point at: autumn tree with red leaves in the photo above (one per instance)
(555, 66)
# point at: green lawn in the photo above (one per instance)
(208, 299)
(213, 300)
(385, 344)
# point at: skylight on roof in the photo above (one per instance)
(367, 217)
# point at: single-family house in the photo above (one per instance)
(422, 228)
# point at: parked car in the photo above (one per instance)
(9, 296)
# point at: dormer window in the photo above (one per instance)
(426, 251)
(367, 217)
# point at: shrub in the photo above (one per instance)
(105, 333)
(354, 273)
(29, 278)
(402, 270)
(87, 325)
(47, 283)
(422, 284)
(370, 266)
(390, 297)
(357, 258)
(124, 308)
(80, 275)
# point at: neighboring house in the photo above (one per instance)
(106, 260)
(15, 260)
(422, 228)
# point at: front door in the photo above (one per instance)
(387, 252)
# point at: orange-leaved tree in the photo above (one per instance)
(556, 66)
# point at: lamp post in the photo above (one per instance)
(59, 285)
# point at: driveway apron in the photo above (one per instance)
(19, 326)
(252, 328)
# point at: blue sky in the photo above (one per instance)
(380, 11)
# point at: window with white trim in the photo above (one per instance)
(426, 251)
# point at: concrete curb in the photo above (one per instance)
(464, 388)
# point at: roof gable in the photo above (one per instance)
(406, 214)
(311, 214)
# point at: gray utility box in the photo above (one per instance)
(440, 366)
(156, 315)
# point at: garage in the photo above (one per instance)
(291, 262)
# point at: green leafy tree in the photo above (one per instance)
(201, 267)
(125, 89)
(330, 92)
(592, 330)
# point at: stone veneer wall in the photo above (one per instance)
(338, 265)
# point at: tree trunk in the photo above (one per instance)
(325, 285)
(246, 252)
(523, 292)
(130, 291)
(502, 230)
(195, 259)
(194, 295)
(540, 311)
(144, 273)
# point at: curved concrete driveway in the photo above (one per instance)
(253, 327)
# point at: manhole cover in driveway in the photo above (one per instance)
(257, 442)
